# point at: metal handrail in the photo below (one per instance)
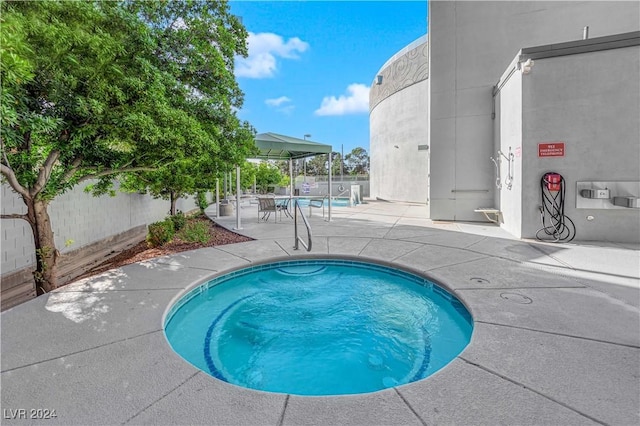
(296, 208)
(326, 197)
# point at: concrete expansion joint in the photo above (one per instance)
(522, 287)
(201, 268)
(406, 254)
(474, 243)
(365, 246)
(537, 248)
(281, 248)
(415, 413)
(555, 333)
(161, 398)
(457, 263)
(236, 255)
(284, 409)
(115, 290)
(522, 385)
(160, 330)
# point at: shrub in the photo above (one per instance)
(196, 231)
(201, 200)
(160, 233)
(179, 220)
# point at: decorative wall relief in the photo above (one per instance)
(401, 71)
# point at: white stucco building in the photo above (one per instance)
(433, 136)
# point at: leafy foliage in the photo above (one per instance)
(201, 200)
(357, 162)
(179, 220)
(267, 176)
(248, 172)
(160, 233)
(196, 232)
(95, 89)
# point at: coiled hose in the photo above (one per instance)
(555, 223)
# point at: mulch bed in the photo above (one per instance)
(141, 251)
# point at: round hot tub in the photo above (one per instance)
(319, 327)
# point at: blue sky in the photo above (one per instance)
(311, 63)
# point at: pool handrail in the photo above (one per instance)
(296, 208)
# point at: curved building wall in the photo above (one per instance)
(398, 124)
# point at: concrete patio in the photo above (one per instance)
(556, 338)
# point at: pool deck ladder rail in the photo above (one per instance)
(299, 240)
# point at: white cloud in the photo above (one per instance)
(277, 101)
(281, 104)
(288, 110)
(355, 101)
(264, 49)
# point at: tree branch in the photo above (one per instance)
(116, 171)
(13, 181)
(74, 168)
(45, 172)
(4, 153)
(14, 216)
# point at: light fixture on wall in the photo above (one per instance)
(379, 79)
(525, 67)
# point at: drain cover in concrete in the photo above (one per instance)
(516, 298)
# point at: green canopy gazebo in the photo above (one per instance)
(274, 146)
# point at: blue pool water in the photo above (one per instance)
(319, 327)
(335, 202)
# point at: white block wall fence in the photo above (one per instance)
(81, 224)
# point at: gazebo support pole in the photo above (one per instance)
(238, 224)
(218, 198)
(330, 155)
(224, 194)
(290, 179)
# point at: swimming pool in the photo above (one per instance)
(319, 327)
(335, 202)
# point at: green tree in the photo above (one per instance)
(91, 90)
(267, 175)
(317, 165)
(335, 164)
(247, 174)
(357, 161)
(186, 176)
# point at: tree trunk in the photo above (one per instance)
(174, 200)
(45, 274)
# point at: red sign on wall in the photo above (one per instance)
(551, 149)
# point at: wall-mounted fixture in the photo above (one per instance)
(498, 179)
(629, 202)
(585, 33)
(525, 67)
(379, 79)
(608, 195)
(510, 161)
(396, 147)
(595, 193)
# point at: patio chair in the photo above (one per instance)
(283, 206)
(266, 206)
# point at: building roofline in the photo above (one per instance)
(417, 42)
(615, 41)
